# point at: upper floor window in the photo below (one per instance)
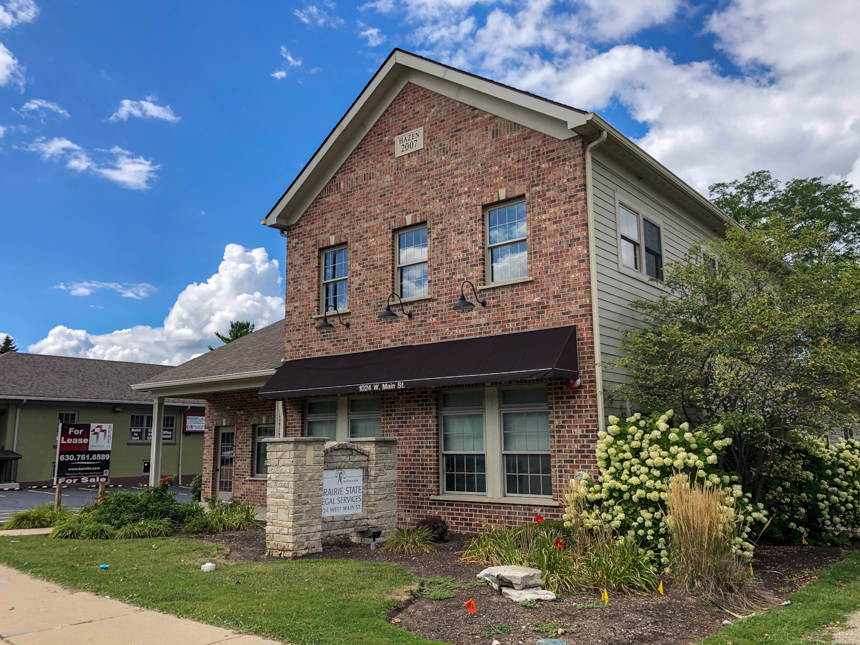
(67, 417)
(507, 242)
(634, 229)
(334, 279)
(411, 262)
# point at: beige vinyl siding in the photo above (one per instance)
(616, 287)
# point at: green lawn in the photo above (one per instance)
(831, 598)
(303, 602)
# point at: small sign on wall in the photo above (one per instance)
(342, 491)
(195, 423)
(409, 142)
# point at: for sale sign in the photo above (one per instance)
(83, 453)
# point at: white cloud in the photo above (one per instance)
(2, 131)
(791, 107)
(130, 172)
(38, 107)
(146, 109)
(17, 12)
(289, 64)
(11, 71)
(320, 16)
(247, 286)
(137, 291)
(373, 35)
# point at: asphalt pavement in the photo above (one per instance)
(12, 501)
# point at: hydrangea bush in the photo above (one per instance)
(637, 458)
(814, 492)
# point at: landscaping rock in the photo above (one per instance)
(527, 594)
(516, 577)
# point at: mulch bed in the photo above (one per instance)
(675, 618)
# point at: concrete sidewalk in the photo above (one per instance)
(35, 612)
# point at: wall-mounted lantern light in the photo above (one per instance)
(465, 306)
(387, 314)
(325, 325)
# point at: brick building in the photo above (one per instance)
(462, 256)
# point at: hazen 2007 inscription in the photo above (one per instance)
(342, 491)
(409, 142)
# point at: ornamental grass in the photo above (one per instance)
(417, 540)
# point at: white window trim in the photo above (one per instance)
(398, 266)
(642, 212)
(323, 281)
(488, 254)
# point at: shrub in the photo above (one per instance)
(704, 525)
(417, 540)
(636, 458)
(231, 516)
(437, 527)
(124, 508)
(197, 488)
(38, 517)
(814, 491)
(619, 565)
(199, 524)
(70, 528)
(96, 531)
(145, 529)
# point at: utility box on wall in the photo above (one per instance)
(317, 488)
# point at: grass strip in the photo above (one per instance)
(820, 604)
(305, 602)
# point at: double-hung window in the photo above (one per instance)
(140, 427)
(463, 450)
(67, 417)
(507, 242)
(334, 279)
(525, 441)
(260, 464)
(634, 229)
(321, 419)
(411, 263)
(365, 417)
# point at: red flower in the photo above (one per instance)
(538, 518)
(559, 544)
(101, 499)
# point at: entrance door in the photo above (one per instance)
(224, 478)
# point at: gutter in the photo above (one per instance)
(592, 269)
(203, 380)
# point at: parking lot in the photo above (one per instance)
(12, 501)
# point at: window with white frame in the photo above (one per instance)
(67, 417)
(365, 417)
(321, 419)
(525, 441)
(411, 262)
(140, 427)
(641, 243)
(507, 242)
(463, 455)
(260, 464)
(334, 279)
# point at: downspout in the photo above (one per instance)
(592, 268)
(17, 418)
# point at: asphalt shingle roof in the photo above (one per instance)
(261, 350)
(85, 379)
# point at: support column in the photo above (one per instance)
(155, 450)
(294, 495)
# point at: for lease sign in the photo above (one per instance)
(83, 453)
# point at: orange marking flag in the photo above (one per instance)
(470, 605)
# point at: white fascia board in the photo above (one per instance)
(208, 384)
(598, 123)
(527, 110)
(53, 399)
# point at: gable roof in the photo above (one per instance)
(527, 109)
(237, 365)
(63, 378)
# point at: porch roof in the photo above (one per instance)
(529, 355)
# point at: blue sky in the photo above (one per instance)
(142, 142)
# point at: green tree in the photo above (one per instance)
(760, 202)
(766, 348)
(238, 329)
(8, 345)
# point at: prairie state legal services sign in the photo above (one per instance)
(342, 491)
(83, 453)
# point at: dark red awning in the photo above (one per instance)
(529, 355)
